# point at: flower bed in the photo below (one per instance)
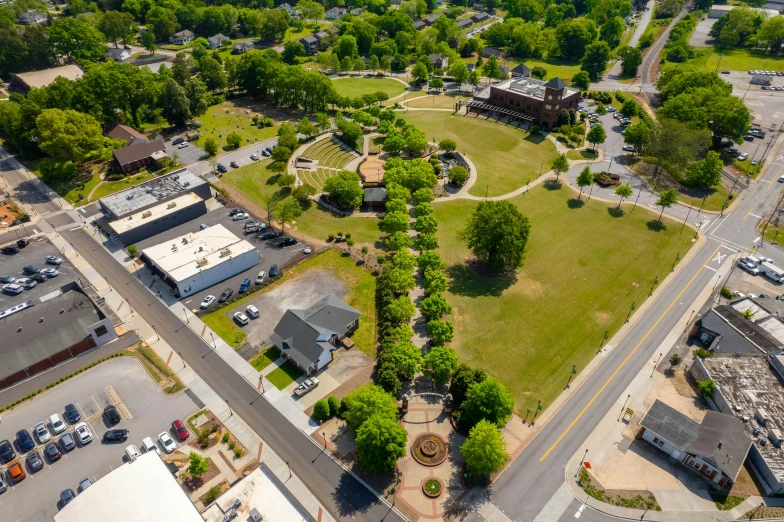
(429, 450)
(432, 488)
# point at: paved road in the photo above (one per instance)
(337, 490)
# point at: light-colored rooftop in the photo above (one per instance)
(125, 224)
(38, 79)
(528, 87)
(184, 256)
(141, 490)
(766, 320)
(150, 192)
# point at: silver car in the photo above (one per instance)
(41, 433)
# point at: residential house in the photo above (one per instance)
(480, 17)
(465, 23)
(309, 337)
(23, 82)
(32, 17)
(521, 71)
(139, 151)
(357, 11)
(419, 25)
(118, 54)
(290, 10)
(715, 448)
(430, 20)
(311, 44)
(336, 12)
(181, 38)
(487, 52)
(213, 42)
(241, 47)
(478, 7)
(439, 61)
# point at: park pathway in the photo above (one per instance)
(418, 323)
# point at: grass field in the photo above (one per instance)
(583, 269)
(505, 157)
(217, 124)
(694, 197)
(226, 52)
(709, 59)
(284, 375)
(442, 101)
(264, 358)
(319, 223)
(253, 180)
(353, 87)
(555, 67)
(361, 294)
(582, 154)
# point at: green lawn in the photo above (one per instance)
(253, 180)
(506, 157)
(353, 87)
(583, 269)
(217, 124)
(361, 294)
(308, 29)
(582, 154)
(264, 358)
(717, 196)
(319, 223)
(110, 187)
(284, 375)
(225, 52)
(441, 101)
(773, 233)
(708, 59)
(562, 69)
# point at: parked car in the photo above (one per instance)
(54, 260)
(39, 278)
(203, 226)
(265, 153)
(16, 473)
(83, 433)
(234, 165)
(116, 435)
(52, 452)
(50, 272)
(67, 496)
(26, 282)
(268, 235)
(10, 249)
(57, 423)
(244, 285)
(236, 211)
(241, 318)
(3, 487)
(273, 271)
(286, 241)
(7, 279)
(7, 453)
(31, 269)
(260, 277)
(41, 432)
(222, 168)
(207, 302)
(628, 148)
(240, 217)
(132, 452)
(738, 294)
(183, 145)
(72, 414)
(21, 243)
(743, 156)
(85, 483)
(306, 387)
(254, 157)
(252, 229)
(14, 289)
(252, 311)
(149, 446)
(177, 141)
(24, 441)
(179, 428)
(67, 441)
(34, 462)
(167, 443)
(111, 414)
(225, 295)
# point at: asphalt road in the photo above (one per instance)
(341, 494)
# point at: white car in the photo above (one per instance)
(252, 311)
(15, 289)
(241, 318)
(58, 426)
(628, 148)
(83, 434)
(254, 157)
(738, 294)
(167, 443)
(743, 156)
(50, 272)
(54, 260)
(240, 216)
(183, 145)
(207, 302)
(42, 433)
(148, 445)
(132, 452)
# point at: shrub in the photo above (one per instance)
(331, 237)
(702, 353)
(225, 438)
(706, 388)
(232, 444)
(535, 129)
(237, 453)
(726, 292)
(334, 405)
(321, 410)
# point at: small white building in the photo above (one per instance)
(182, 37)
(198, 260)
(118, 54)
(336, 12)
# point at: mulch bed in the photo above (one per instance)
(194, 483)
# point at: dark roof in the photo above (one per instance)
(116, 52)
(471, 66)
(433, 17)
(309, 39)
(489, 51)
(465, 22)
(436, 57)
(556, 83)
(671, 425)
(138, 151)
(375, 194)
(321, 35)
(480, 16)
(186, 32)
(304, 334)
(738, 334)
(522, 69)
(418, 24)
(722, 439)
(242, 45)
(28, 340)
(124, 132)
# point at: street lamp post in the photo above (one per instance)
(231, 413)
(214, 346)
(656, 364)
(606, 336)
(677, 258)
(655, 282)
(755, 511)
(630, 312)
(538, 409)
(582, 460)
(685, 219)
(571, 374)
(624, 406)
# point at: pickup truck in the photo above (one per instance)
(306, 387)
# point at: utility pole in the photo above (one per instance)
(770, 218)
(656, 364)
(624, 406)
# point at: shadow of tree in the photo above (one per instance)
(464, 281)
(656, 226)
(575, 203)
(351, 497)
(536, 139)
(615, 212)
(552, 184)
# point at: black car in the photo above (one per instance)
(67, 441)
(38, 278)
(21, 243)
(273, 271)
(268, 235)
(116, 435)
(286, 241)
(10, 249)
(31, 269)
(66, 496)
(225, 295)
(52, 452)
(34, 462)
(72, 414)
(177, 141)
(112, 415)
(236, 211)
(24, 441)
(7, 453)
(222, 168)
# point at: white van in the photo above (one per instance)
(13, 289)
(132, 452)
(772, 271)
(148, 446)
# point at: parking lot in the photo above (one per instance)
(34, 254)
(188, 155)
(36, 497)
(268, 255)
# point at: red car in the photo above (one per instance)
(234, 165)
(180, 429)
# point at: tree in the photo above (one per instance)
(675, 360)
(426, 242)
(491, 69)
(286, 180)
(399, 280)
(211, 73)
(180, 69)
(632, 58)
(624, 191)
(584, 179)
(210, 147)
(458, 175)
(77, 40)
(174, 103)
(323, 122)
(559, 165)
(595, 60)
(420, 72)
(459, 72)
(497, 234)
(305, 127)
(630, 108)
(488, 400)
(310, 10)
(436, 83)
(706, 172)
(197, 465)
(366, 401)
(462, 379)
(291, 51)
(447, 145)
(706, 388)
(612, 30)
(638, 136)
(374, 64)
(162, 22)
(117, 26)
(398, 241)
(596, 136)
(234, 140)
(434, 282)
(288, 210)
(434, 307)
(196, 92)
(484, 449)
(394, 222)
(270, 202)
(425, 225)
(423, 195)
(345, 190)
(666, 199)
(430, 261)
(68, 135)
(422, 209)
(406, 356)
(581, 80)
(387, 378)
(148, 41)
(440, 332)
(321, 410)
(346, 46)
(539, 72)
(380, 442)
(439, 363)
(400, 310)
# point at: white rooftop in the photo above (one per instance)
(141, 490)
(150, 192)
(184, 256)
(134, 220)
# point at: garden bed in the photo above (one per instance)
(429, 450)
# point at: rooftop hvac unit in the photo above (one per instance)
(201, 262)
(129, 196)
(225, 252)
(176, 177)
(146, 214)
(172, 204)
(775, 437)
(149, 190)
(186, 184)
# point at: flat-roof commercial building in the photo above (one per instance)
(198, 260)
(156, 219)
(144, 489)
(151, 193)
(717, 11)
(23, 82)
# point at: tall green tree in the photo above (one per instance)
(211, 73)
(68, 134)
(497, 234)
(366, 401)
(77, 40)
(197, 465)
(380, 442)
(624, 191)
(345, 190)
(584, 179)
(596, 136)
(666, 199)
(439, 363)
(488, 400)
(638, 136)
(162, 22)
(174, 103)
(117, 26)
(559, 165)
(484, 449)
(706, 172)
(406, 356)
(595, 60)
(462, 379)
(631, 59)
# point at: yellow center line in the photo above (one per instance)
(609, 380)
(747, 214)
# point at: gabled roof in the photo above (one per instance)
(138, 151)
(723, 440)
(124, 132)
(321, 35)
(218, 38)
(242, 45)
(490, 51)
(556, 83)
(309, 39)
(522, 69)
(418, 24)
(671, 425)
(465, 22)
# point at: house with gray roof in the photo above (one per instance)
(310, 43)
(32, 17)
(725, 330)
(419, 25)
(182, 37)
(465, 23)
(216, 41)
(715, 448)
(309, 337)
(241, 47)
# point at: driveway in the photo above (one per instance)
(188, 156)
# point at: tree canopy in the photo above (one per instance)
(497, 234)
(380, 442)
(345, 190)
(366, 401)
(484, 449)
(487, 400)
